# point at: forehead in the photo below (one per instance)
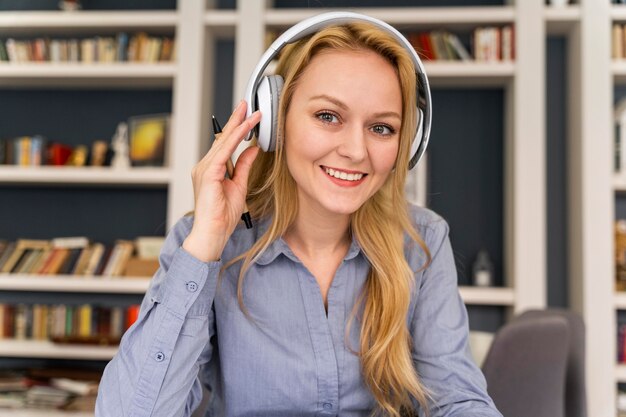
(363, 76)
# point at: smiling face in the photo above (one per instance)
(342, 130)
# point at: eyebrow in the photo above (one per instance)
(342, 105)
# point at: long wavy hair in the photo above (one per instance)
(379, 225)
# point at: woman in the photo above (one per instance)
(343, 299)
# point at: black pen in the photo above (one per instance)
(230, 169)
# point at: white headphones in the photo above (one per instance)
(263, 92)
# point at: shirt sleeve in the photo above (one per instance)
(155, 371)
(440, 332)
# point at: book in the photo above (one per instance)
(7, 253)
(149, 247)
(22, 245)
(97, 251)
(138, 267)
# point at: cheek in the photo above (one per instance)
(384, 158)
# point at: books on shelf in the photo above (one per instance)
(37, 150)
(137, 48)
(60, 323)
(79, 256)
(485, 44)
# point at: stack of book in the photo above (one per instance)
(67, 389)
(139, 47)
(78, 256)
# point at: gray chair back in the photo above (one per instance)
(575, 387)
(526, 365)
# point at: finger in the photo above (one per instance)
(244, 164)
(227, 144)
(238, 115)
(218, 145)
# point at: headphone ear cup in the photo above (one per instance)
(267, 101)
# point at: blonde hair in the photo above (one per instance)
(378, 225)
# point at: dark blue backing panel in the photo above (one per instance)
(75, 116)
(556, 171)
(465, 180)
(102, 214)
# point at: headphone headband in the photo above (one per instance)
(320, 21)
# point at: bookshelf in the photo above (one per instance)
(192, 77)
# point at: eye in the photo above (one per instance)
(383, 130)
(327, 117)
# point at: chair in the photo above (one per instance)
(525, 367)
(575, 387)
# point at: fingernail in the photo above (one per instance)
(239, 104)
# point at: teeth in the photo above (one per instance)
(343, 175)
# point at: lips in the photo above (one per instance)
(344, 175)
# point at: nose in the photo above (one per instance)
(353, 145)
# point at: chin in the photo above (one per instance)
(338, 207)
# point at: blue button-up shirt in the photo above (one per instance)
(293, 358)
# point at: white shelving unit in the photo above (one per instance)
(247, 25)
(591, 196)
(523, 82)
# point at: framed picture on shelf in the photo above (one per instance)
(148, 137)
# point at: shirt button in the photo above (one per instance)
(192, 286)
(159, 356)
(328, 406)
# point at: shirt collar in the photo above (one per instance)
(279, 246)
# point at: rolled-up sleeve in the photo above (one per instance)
(154, 372)
(440, 331)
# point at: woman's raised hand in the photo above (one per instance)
(219, 201)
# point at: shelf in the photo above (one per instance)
(221, 22)
(618, 69)
(46, 349)
(560, 20)
(33, 412)
(618, 13)
(469, 73)
(619, 183)
(62, 175)
(71, 283)
(620, 373)
(96, 75)
(456, 18)
(494, 296)
(620, 300)
(34, 22)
